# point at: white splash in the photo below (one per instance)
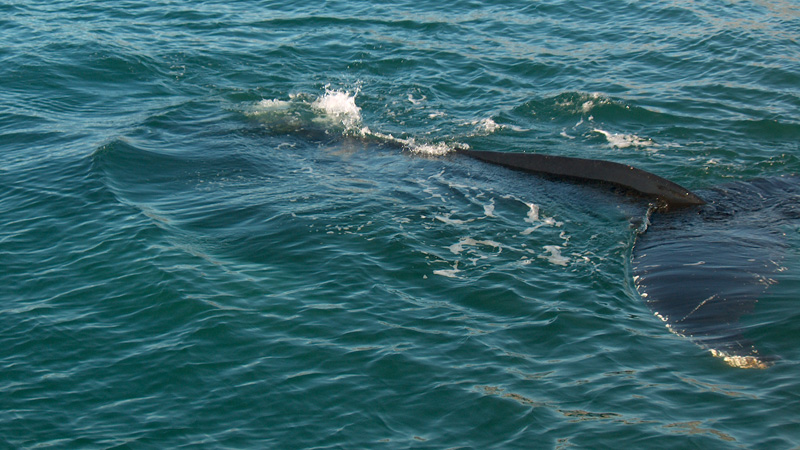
(555, 256)
(337, 111)
(486, 126)
(459, 246)
(339, 106)
(595, 99)
(450, 273)
(626, 140)
(419, 148)
(446, 219)
(270, 109)
(533, 213)
(434, 149)
(534, 218)
(488, 210)
(416, 101)
(272, 104)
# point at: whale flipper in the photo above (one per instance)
(700, 269)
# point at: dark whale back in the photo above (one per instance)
(628, 177)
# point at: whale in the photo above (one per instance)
(700, 262)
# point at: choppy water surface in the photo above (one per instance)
(244, 225)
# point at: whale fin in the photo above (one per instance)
(629, 177)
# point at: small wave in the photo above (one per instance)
(416, 101)
(583, 103)
(580, 115)
(566, 105)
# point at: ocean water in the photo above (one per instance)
(246, 225)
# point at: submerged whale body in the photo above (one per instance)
(700, 263)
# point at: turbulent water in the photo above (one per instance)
(245, 224)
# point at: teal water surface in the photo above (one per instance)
(244, 224)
